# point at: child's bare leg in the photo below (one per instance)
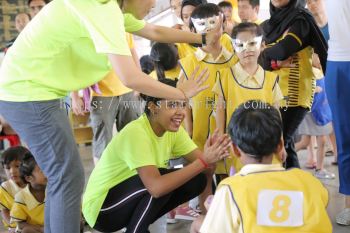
(311, 158)
(321, 141)
(334, 145)
(303, 143)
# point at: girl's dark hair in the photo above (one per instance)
(155, 100)
(146, 64)
(256, 128)
(46, 1)
(204, 11)
(12, 154)
(225, 4)
(165, 57)
(246, 27)
(27, 166)
(194, 3)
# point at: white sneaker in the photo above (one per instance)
(343, 218)
(324, 174)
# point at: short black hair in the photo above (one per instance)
(194, 3)
(146, 64)
(27, 166)
(46, 1)
(225, 4)
(247, 27)
(13, 154)
(256, 128)
(165, 57)
(204, 11)
(155, 100)
(253, 3)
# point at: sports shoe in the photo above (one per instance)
(343, 218)
(186, 213)
(324, 174)
(170, 217)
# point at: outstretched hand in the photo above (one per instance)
(194, 84)
(216, 148)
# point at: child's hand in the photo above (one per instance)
(77, 105)
(194, 84)
(218, 150)
(286, 63)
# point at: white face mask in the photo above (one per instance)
(250, 45)
(204, 25)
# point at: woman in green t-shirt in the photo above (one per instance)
(67, 46)
(131, 186)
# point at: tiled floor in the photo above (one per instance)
(335, 205)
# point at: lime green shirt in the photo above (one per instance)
(64, 49)
(135, 146)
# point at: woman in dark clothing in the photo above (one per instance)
(292, 34)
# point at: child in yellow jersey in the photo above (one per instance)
(200, 121)
(28, 209)
(165, 59)
(10, 160)
(265, 197)
(187, 8)
(243, 81)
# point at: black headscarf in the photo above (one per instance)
(283, 18)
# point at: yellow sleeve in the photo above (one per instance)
(223, 215)
(277, 93)
(5, 199)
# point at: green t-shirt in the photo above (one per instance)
(135, 146)
(64, 49)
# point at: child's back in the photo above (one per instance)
(264, 197)
(278, 200)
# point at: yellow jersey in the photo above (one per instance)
(111, 84)
(27, 209)
(8, 190)
(203, 104)
(298, 83)
(236, 87)
(268, 198)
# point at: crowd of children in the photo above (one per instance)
(227, 95)
(22, 196)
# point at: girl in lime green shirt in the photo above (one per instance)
(131, 186)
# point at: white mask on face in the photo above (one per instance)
(250, 45)
(204, 25)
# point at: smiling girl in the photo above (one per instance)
(131, 186)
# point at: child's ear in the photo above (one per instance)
(28, 179)
(281, 151)
(236, 150)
